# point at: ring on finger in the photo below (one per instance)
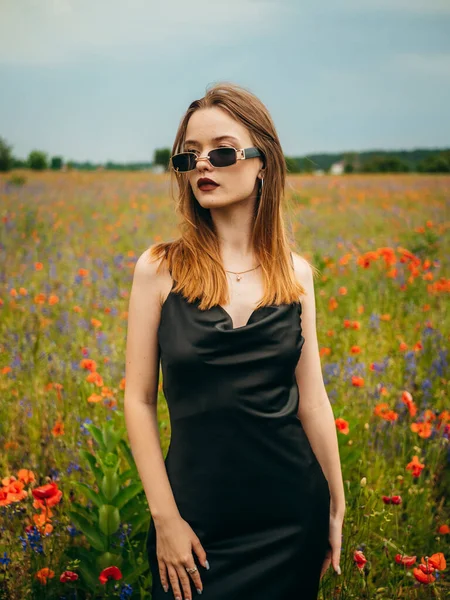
(191, 570)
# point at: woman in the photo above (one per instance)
(249, 502)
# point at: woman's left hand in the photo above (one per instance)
(333, 554)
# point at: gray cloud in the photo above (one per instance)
(57, 31)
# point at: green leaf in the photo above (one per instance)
(128, 474)
(127, 494)
(80, 553)
(138, 504)
(92, 460)
(111, 461)
(111, 437)
(110, 486)
(96, 434)
(83, 511)
(108, 559)
(95, 539)
(109, 519)
(89, 575)
(131, 572)
(127, 453)
(137, 522)
(96, 497)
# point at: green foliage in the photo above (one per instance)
(309, 165)
(17, 180)
(384, 164)
(37, 160)
(162, 157)
(56, 163)
(19, 163)
(416, 160)
(6, 157)
(114, 505)
(351, 162)
(436, 163)
(292, 165)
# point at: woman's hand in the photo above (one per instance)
(333, 554)
(175, 541)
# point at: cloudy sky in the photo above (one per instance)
(110, 79)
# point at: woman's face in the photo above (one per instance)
(236, 182)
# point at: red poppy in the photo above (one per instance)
(423, 430)
(26, 476)
(359, 559)
(44, 574)
(423, 577)
(68, 576)
(110, 573)
(342, 426)
(408, 400)
(415, 466)
(426, 568)
(382, 410)
(46, 495)
(437, 561)
(408, 561)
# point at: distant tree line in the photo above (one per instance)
(413, 161)
(420, 161)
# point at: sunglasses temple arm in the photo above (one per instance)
(252, 152)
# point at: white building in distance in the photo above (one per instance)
(337, 168)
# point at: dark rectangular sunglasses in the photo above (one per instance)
(219, 157)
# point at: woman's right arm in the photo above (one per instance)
(141, 388)
(175, 539)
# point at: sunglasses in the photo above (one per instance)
(219, 157)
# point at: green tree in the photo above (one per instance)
(6, 157)
(19, 163)
(308, 165)
(162, 157)
(436, 163)
(350, 162)
(56, 163)
(292, 165)
(384, 164)
(37, 160)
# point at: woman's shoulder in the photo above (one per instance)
(302, 267)
(151, 268)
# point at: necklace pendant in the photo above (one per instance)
(238, 277)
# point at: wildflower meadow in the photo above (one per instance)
(73, 513)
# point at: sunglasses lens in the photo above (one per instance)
(223, 157)
(184, 161)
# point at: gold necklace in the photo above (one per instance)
(238, 274)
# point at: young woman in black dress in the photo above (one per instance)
(249, 501)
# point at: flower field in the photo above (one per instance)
(73, 514)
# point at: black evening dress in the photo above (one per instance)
(240, 465)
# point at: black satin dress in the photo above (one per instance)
(241, 468)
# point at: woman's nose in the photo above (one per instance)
(202, 162)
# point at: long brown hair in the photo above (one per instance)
(194, 258)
